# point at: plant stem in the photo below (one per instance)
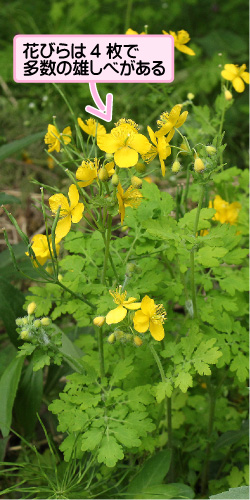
(204, 478)
(192, 253)
(57, 282)
(101, 353)
(106, 255)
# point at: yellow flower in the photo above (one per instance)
(125, 142)
(50, 162)
(160, 147)
(89, 170)
(170, 121)
(236, 75)
(52, 138)
(90, 127)
(118, 314)
(68, 213)
(41, 248)
(131, 198)
(132, 32)
(180, 39)
(225, 212)
(150, 316)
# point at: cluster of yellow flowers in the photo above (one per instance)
(148, 315)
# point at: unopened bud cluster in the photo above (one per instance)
(120, 336)
(32, 329)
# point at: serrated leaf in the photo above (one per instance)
(122, 369)
(241, 493)
(240, 366)
(91, 439)
(209, 256)
(162, 390)
(110, 451)
(40, 360)
(184, 380)
(236, 256)
(126, 436)
(189, 219)
(204, 355)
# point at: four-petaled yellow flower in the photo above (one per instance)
(53, 137)
(180, 39)
(150, 316)
(91, 127)
(160, 147)
(68, 212)
(225, 212)
(170, 121)
(42, 249)
(236, 75)
(118, 314)
(132, 32)
(125, 142)
(89, 170)
(131, 198)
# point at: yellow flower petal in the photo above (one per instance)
(126, 157)
(59, 200)
(63, 227)
(108, 143)
(66, 132)
(245, 76)
(132, 307)
(86, 173)
(116, 315)
(156, 329)
(185, 49)
(238, 84)
(73, 195)
(77, 212)
(139, 142)
(175, 113)
(232, 68)
(148, 306)
(152, 135)
(141, 322)
(228, 75)
(182, 119)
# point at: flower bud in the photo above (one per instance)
(60, 277)
(184, 148)
(37, 323)
(124, 229)
(45, 321)
(111, 338)
(24, 321)
(99, 321)
(24, 334)
(190, 96)
(176, 166)
(103, 174)
(31, 308)
(138, 341)
(136, 182)
(19, 321)
(140, 167)
(128, 337)
(211, 150)
(115, 180)
(109, 156)
(199, 165)
(49, 269)
(228, 95)
(130, 268)
(119, 335)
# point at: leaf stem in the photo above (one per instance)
(106, 255)
(192, 253)
(82, 298)
(204, 478)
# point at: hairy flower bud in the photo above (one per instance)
(103, 174)
(37, 323)
(45, 321)
(128, 337)
(111, 338)
(115, 180)
(199, 165)
(190, 96)
(140, 167)
(184, 148)
(136, 182)
(138, 341)
(109, 156)
(24, 334)
(31, 308)
(99, 321)
(211, 150)
(176, 166)
(228, 95)
(119, 335)
(124, 229)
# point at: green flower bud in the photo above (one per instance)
(37, 323)
(24, 334)
(136, 182)
(124, 229)
(109, 156)
(31, 308)
(128, 337)
(199, 165)
(45, 321)
(19, 321)
(176, 166)
(140, 167)
(103, 174)
(24, 321)
(119, 335)
(211, 150)
(138, 341)
(115, 180)
(111, 338)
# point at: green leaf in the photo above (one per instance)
(241, 493)
(204, 355)
(110, 451)
(8, 388)
(240, 366)
(189, 219)
(152, 472)
(236, 256)
(162, 390)
(8, 199)
(184, 381)
(122, 369)
(29, 398)
(209, 256)
(91, 439)
(126, 436)
(11, 302)
(226, 175)
(231, 437)
(13, 147)
(174, 490)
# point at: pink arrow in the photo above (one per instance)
(104, 112)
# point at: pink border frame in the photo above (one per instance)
(92, 80)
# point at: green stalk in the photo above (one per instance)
(82, 298)
(106, 255)
(192, 254)
(101, 353)
(204, 478)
